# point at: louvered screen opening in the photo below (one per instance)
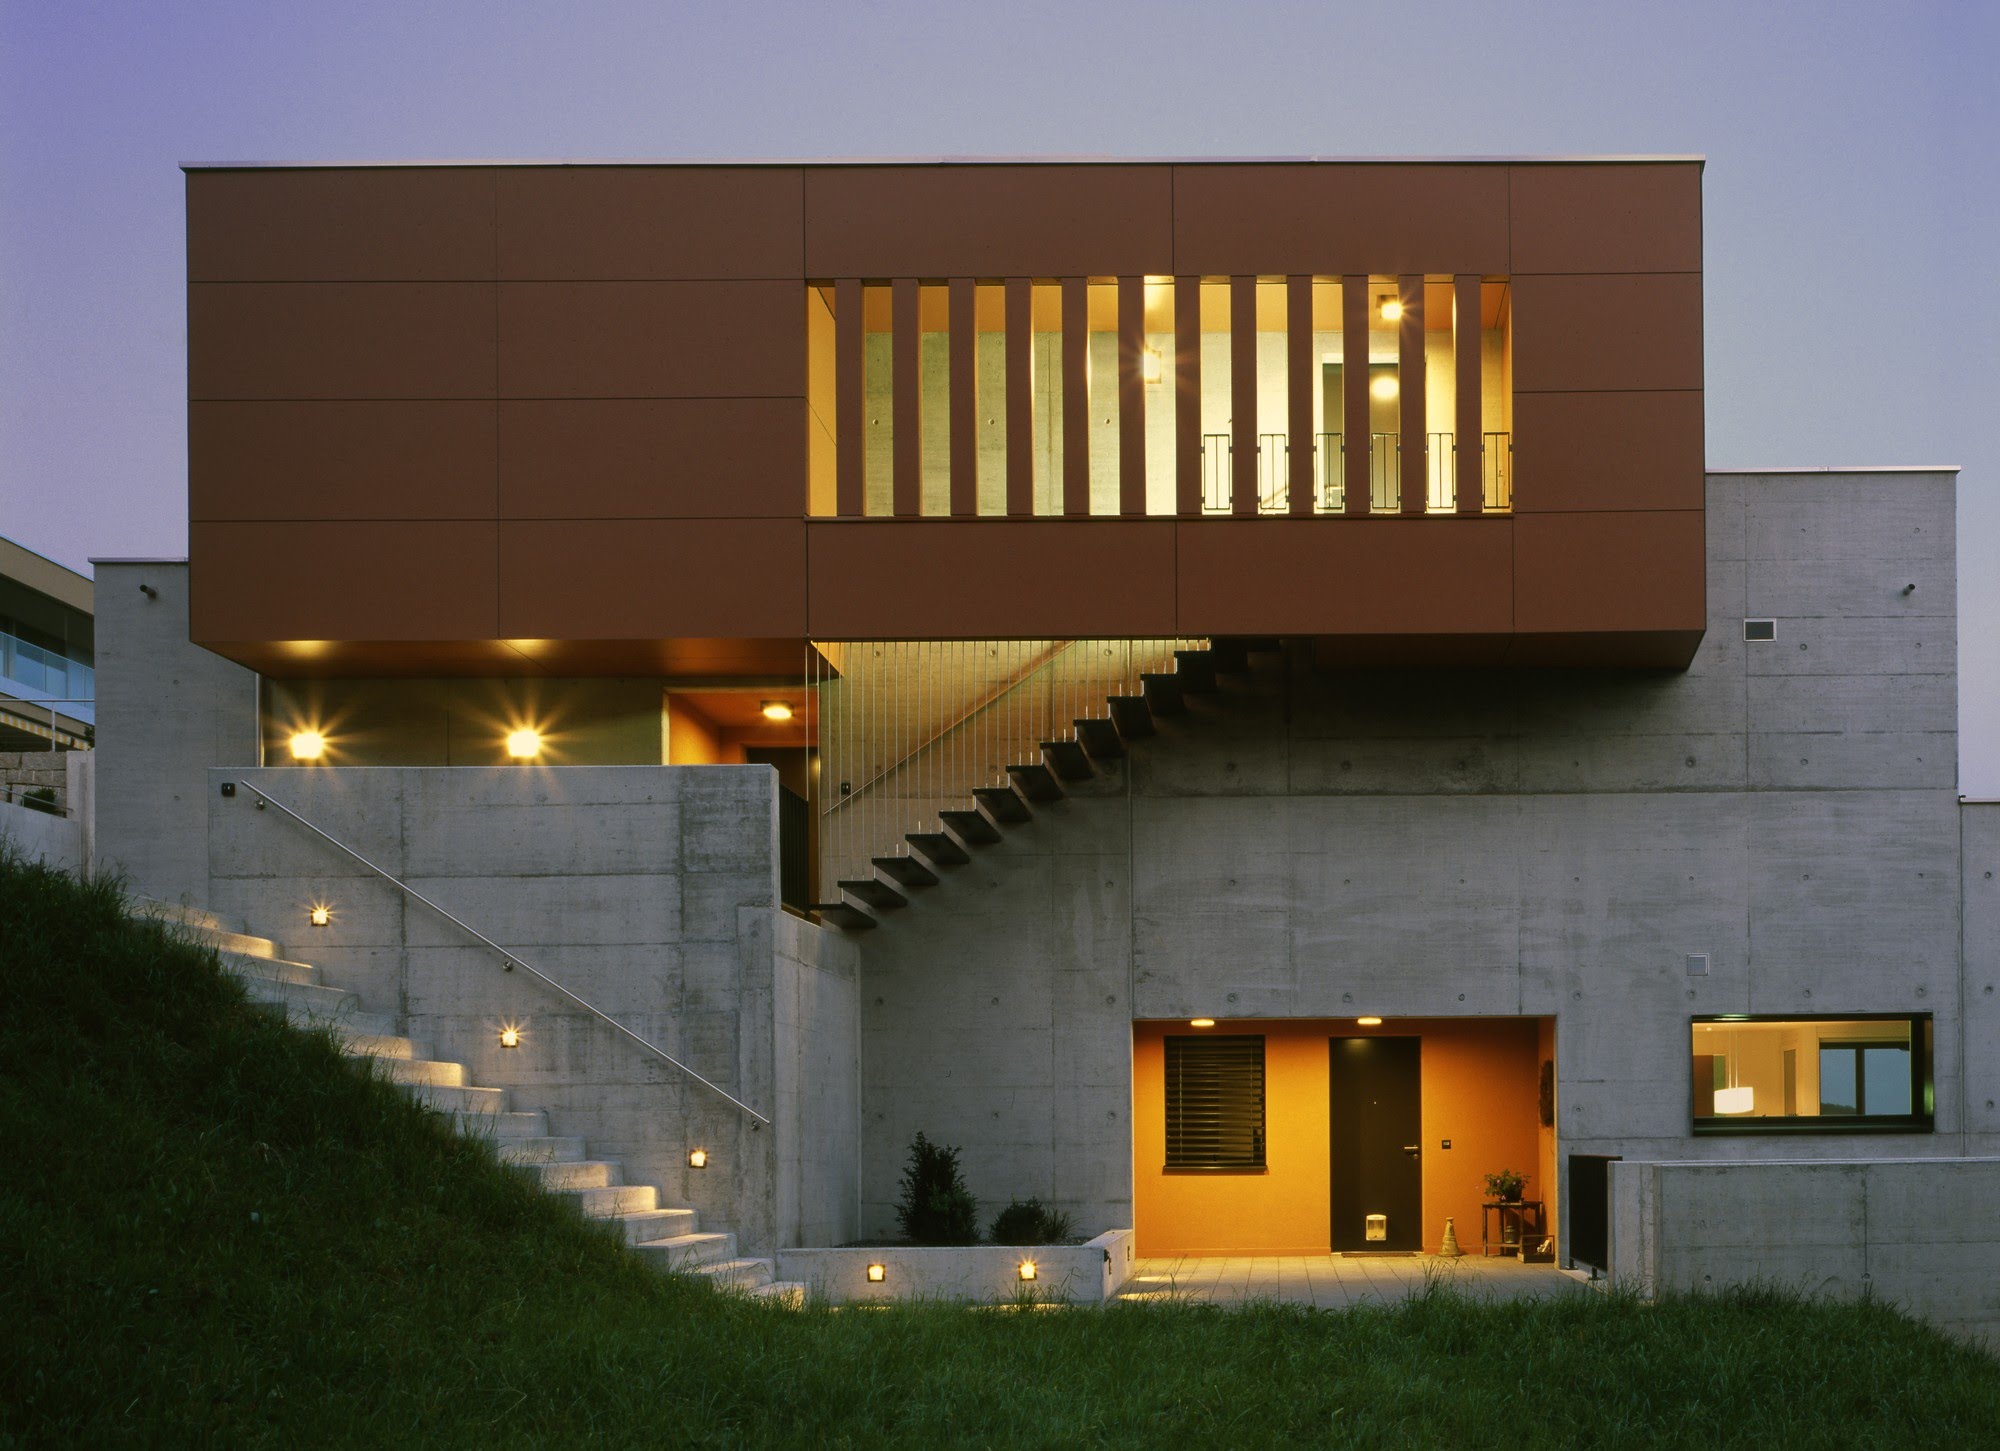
(1215, 1103)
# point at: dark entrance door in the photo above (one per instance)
(1378, 1165)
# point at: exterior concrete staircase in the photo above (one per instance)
(668, 1238)
(865, 902)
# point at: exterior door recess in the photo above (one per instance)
(1377, 1151)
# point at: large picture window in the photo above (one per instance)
(1855, 1074)
(1215, 1104)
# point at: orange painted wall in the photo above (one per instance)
(1479, 1090)
(694, 740)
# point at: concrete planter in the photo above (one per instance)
(1080, 1274)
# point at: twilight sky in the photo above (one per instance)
(1852, 197)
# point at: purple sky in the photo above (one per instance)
(1852, 197)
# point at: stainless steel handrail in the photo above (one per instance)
(264, 798)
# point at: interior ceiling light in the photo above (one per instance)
(307, 745)
(1149, 364)
(1384, 386)
(1201, 1022)
(777, 710)
(1392, 309)
(524, 743)
(1369, 1022)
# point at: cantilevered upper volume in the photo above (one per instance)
(677, 418)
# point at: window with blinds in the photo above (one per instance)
(1215, 1102)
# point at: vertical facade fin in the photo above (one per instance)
(849, 407)
(964, 398)
(907, 387)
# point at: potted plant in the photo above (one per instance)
(1505, 1186)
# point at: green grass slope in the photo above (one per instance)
(214, 1230)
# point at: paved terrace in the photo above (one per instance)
(1329, 1282)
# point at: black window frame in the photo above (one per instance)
(1193, 1148)
(1923, 1086)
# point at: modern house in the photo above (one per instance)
(1224, 689)
(47, 684)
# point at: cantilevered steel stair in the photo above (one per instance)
(865, 903)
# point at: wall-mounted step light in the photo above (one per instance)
(510, 1036)
(320, 915)
(877, 1274)
(307, 745)
(697, 1158)
(1027, 1269)
(524, 743)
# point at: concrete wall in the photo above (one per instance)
(1979, 989)
(166, 712)
(650, 892)
(816, 1020)
(1919, 1234)
(1431, 843)
(63, 840)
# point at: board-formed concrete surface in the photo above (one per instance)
(1920, 1234)
(1454, 842)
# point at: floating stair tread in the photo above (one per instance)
(1163, 694)
(906, 871)
(1132, 716)
(1036, 782)
(1068, 759)
(876, 893)
(940, 846)
(1195, 670)
(845, 914)
(1004, 804)
(974, 828)
(1101, 739)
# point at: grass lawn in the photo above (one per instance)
(213, 1229)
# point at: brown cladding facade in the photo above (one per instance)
(556, 418)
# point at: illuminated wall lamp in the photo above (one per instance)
(697, 1158)
(1027, 1270)
(510, 1037)
(1392, 309)
(524, 743)
(1385, 387)
(877, 1274)
(307, 745)
(1369, 1022)
(320, 916)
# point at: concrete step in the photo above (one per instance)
(540, 1150)
(414, 1072)
(304, 1001)
(458, 1099)
(501, 1129)
(737, 1274)
(374, 1025)
(576, 1173)
(272, 969)
(240, 943)
(687, 1251)
(612, 1200)
(789, 1293)
(380, 1045)
(643, 1226)
(185, 916)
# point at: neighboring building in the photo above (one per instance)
(1268, 719)
(48, 688)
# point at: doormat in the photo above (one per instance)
(1379, 1254)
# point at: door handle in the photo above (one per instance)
(1413, 1148)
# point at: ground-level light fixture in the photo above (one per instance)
(697, 1158)
(1027, 1271)
(777, 710)
(320, 915)
(1392, 309)
(877, 1274)
(510, 1036)
(1369, 1022)
(307, 745)
(524, 743)
(1201, 1022)
(1384, 387)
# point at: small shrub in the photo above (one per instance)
(1029, 1221)
(937, 1208)
(1505, 1185)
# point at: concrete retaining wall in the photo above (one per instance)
(63, 840)
(1085, 1274)
(650, 891)
(1920, 1234)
